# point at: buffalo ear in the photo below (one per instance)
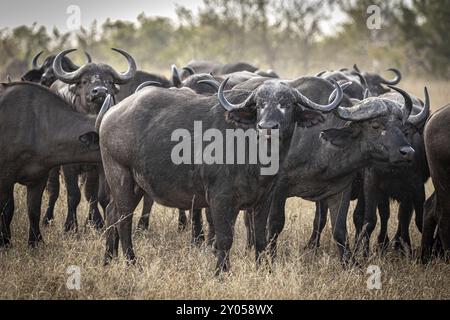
(339, 137)
(308, 118)
(90, 140)
(32, 76)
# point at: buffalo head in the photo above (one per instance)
(375, 81)
(93, 81)
(276, 105)
(380, 125)
(44, 74)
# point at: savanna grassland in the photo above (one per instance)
(169, 267)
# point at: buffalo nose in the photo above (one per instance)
(99, 92)
(268, 125)
(407, 152)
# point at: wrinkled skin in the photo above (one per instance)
(133, 170)
(437, 208)
(32, 147)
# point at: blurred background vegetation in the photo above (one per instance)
(293, 37)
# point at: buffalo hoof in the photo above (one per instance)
(402, 247)
(97, 224)
(198, 241)
(48, 218)
(383, 245)
(143, 224)
(35, 241)
(5, 242)
(313, 244)
(71, 226)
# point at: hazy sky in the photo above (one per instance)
(53, 12)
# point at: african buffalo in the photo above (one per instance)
(372, 131)
(402, 183)
(44, 74)
(86, 89)
(217, 69)
(375, 81)
(38, 131)
(139, 159)
(436, 219)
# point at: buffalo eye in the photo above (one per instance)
(84, 81)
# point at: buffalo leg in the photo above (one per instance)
(419, 200)
(125, 195)
(103, 190)
(249, 220)
(6, 214)
(339, 204)
(91, 188)
(182, 220)
(370, 213)
(384, 211)
(34, 201)
(275, 221)
(224, 217)
(144, 220)
(429, 227)
(53, 194)
(358, 215)
(320, 219)
(198, 236)
(402, 239)
(73, 196)
(211, 230)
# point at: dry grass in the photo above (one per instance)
(169, 267)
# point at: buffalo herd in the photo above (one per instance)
(339, 136)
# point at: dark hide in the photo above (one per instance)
(39, 131)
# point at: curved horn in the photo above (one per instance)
(408, 103)
(321, 73)
(190, 70)
(64, 76)
(362, 110)
(213, 83)
(105, 107)
(122, 78)
(148, 83)
(344, 85)
(34, 62)
(396, 80)
(355, 67)
(88, 57)
(323, 108)
(343, 69)
(176, 79)
(420, 118)
(225, 103)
